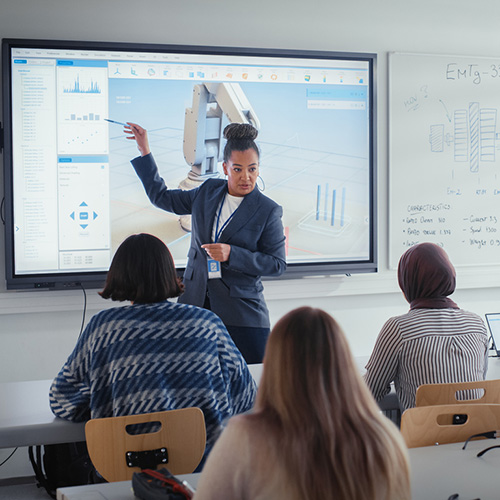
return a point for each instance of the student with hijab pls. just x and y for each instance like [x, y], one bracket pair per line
[436, 341]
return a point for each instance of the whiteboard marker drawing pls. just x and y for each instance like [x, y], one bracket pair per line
[474, 136]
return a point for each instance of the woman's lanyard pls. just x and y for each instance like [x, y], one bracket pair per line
[214, 267]
[217, 232]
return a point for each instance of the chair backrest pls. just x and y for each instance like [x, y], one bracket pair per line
[481, 392]
[112, 446]
[440, 424]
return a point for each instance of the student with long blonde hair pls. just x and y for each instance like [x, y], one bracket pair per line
[316, 433]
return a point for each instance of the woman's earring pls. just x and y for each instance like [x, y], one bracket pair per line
[263, 188]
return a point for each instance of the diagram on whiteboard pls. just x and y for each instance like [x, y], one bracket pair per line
[471, 134]
[444, 158]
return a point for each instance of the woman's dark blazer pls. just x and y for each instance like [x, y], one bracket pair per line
[255, 234]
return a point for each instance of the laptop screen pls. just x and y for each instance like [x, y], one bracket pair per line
[493, 322]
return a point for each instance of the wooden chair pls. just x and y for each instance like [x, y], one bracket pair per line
[120, 446]
[430, 425]
[481, 392]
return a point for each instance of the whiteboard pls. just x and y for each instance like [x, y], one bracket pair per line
[444, 156]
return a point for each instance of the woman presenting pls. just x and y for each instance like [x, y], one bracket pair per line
[237, 236]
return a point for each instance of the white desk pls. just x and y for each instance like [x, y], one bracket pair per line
[436, 473]
[111, 491]
[440, 471]
[26, 418]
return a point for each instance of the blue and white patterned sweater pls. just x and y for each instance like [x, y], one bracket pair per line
[153, 357]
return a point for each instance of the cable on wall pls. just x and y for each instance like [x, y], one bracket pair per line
[2, 211]
[84, 310]
[9, 457]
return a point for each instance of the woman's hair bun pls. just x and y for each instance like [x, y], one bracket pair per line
[238, 131]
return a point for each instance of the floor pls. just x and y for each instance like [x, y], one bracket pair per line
[25, 491]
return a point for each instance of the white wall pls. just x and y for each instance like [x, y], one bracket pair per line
[37, 330]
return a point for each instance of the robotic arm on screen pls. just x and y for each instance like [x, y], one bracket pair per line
[214, 106]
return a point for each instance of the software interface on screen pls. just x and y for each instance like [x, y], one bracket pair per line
[76, 196]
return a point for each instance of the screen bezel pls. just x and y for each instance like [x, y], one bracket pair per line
[96, 279]
[496, 345]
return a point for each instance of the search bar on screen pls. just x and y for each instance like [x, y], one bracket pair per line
[328, 104]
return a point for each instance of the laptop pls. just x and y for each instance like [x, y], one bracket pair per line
[493, 322]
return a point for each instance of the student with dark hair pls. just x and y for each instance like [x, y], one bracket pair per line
[153, 355]
[142, 272]
[316, 432]
[436, 341]
[236, 230]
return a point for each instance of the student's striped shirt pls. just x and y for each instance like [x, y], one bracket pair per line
[427, 346]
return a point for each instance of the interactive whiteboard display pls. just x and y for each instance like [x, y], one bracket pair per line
[73, 197]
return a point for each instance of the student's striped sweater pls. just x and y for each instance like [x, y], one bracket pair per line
[153, 357]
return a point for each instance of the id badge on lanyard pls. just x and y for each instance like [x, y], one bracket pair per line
[214, 270]
[214, 266]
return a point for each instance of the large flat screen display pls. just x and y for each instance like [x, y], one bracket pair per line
[71, 195]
